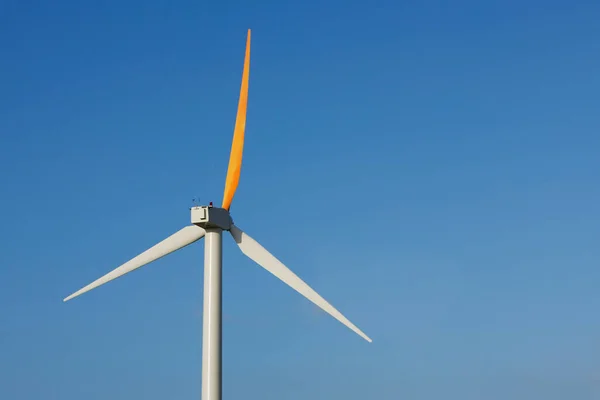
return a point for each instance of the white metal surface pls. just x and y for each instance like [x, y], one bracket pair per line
[262, 257]
[211, 326]
[211, 217]
[176, 241]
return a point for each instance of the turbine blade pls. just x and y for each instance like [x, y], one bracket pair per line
[176, 241]
[262, 257]
[237, 145]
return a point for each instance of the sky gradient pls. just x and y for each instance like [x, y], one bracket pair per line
[431, 168]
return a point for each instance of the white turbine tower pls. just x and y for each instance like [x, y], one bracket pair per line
[210, 222]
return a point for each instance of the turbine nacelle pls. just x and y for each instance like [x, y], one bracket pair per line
[209, 217]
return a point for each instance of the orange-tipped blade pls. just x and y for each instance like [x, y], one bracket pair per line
[237, 146]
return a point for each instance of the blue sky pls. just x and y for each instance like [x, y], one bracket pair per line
[431, 168]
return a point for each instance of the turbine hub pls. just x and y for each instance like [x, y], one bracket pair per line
[209, 217]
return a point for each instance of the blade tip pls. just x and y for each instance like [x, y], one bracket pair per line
[69, 297]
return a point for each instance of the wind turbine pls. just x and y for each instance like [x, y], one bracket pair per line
[210, 222]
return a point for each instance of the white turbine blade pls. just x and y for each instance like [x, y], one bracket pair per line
[176, 241]
[262, 257]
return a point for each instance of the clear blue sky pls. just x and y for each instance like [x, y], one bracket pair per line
[431, 168]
